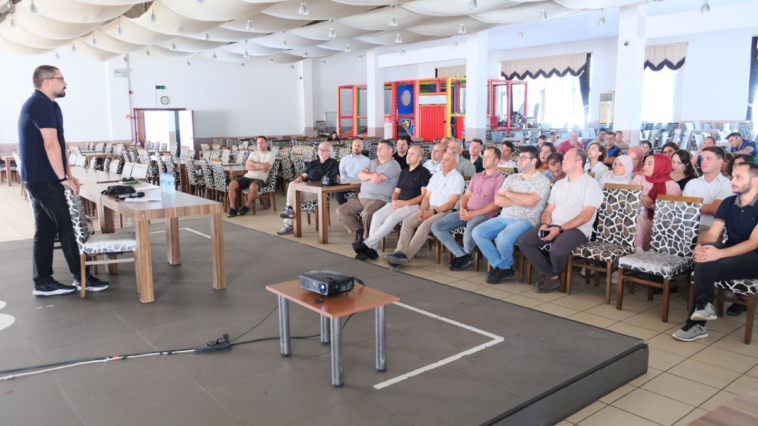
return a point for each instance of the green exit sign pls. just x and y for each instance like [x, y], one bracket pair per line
[160, 87]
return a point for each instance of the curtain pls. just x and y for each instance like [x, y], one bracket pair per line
[665, 55]
[549, 66]
[454, 71]
[753, 82]
[584, 87]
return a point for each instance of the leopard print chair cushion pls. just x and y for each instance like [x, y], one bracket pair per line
[660, 264]
[86, 239]
[743, 287]
[220, 179]
[270, 182]
[603, 252]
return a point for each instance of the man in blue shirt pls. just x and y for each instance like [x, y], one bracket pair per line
[737, 216]
[46, 176]
[350, 166]
[612, 150]
[740, 146]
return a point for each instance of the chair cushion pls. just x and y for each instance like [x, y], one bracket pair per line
[665, 265]
[309, 206]
[119, 242]
[744, 287]
[604, 252]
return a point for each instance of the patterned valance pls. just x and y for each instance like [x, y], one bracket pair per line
[454, 71]
[547, 66]
[665, 55]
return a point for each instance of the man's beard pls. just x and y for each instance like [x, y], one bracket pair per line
[742, 189]
[61, 94]
[357, 152]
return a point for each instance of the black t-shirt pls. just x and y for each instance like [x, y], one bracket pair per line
[411, 182]
[316, 169]
[38, 112]
[682, 183]
[401, 160]
[739, 221]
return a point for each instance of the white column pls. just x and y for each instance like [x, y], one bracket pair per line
[627, 105]
[477, 56]
[375, 89]
[307, 79]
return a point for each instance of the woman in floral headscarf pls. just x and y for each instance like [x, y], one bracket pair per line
[656, 180]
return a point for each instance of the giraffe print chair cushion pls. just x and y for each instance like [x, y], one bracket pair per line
[675, 229]
[742, 287]
[91, 243]
[270, 182]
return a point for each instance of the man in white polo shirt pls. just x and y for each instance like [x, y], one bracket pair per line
[712, 186]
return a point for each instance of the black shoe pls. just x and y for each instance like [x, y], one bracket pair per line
[672, 290]
[359, 241]
[244, 210]
[452, 261]
[736, 310]
[396, 260]
[53, 289]
[232, 213]
[369, 254]
[496, 275]
[462, 262]
[93, 283]
[360, 248]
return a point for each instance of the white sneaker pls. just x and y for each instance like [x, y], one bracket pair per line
[584, 272]
[615, 277]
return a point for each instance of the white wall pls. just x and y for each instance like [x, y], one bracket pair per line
[339, 70]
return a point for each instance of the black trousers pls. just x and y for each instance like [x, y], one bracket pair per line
[340, 197]
[563, 244]
[51, 219]
[728, 268]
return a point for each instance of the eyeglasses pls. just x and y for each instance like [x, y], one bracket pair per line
[56, 78]
[323, 150]
[524, 158]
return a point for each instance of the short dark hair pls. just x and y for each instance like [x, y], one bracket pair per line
[532, 151]
[647, 143]
[734, 134]
[581, 153]
[406, 138]
[477, 140]
[602, 129]
[509, 144]
[497, 152]
[711, 138]
[716, 150]
[555, 156]
[603, 150]
[552, 133]
[747, 157]
[386, 142]
[549, 145]
[619, 132]
[262, 137]
[752, 169]
[42, 73]
[673, 145]
[543, 137]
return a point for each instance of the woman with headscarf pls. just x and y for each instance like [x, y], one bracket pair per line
[620, 173]
[638, 158]
[656, 180]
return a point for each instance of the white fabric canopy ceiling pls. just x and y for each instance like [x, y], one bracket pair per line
[51, 28]
[455, 7]
[264, 24]
[293, 41]
[321, 31]
[524, 12]
[74, 11]
[112, 44]
[387, 38]
[216, 10]
[186, 44]
[252, 49]
[170, 22]
[317, 10]
[378, 20]
[448, 27]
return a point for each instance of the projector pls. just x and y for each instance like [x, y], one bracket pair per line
[326, 282]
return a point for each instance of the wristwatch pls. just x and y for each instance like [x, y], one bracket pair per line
[560, 229]
[434, 211]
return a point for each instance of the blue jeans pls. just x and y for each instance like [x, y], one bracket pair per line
[505, 231]
[442, 228]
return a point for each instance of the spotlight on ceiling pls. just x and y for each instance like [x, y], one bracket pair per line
[455, 42]
[72, 48]
[703, 9]
[398, 39]
[284, 40]
[520, 32]
[249, 26]
[173, 46]
[189, 64]
[242, 64]
[601, 21]
[206, 36]
[347, 48]
[303, 9]
[245, 55]
[271, 59]
[57, 56]
[93, 41]
[473, 5]
[402, 51]
[125, 58]
[323, 62]
[214, 57]
[393, 20]
[33, 9]
[332, 34]
[292, 67]
[199, 2]
[147, 52]
[12, 21]
[543, 15]
[305, 54]
[360, 56]
[462, 29]
[152, 19]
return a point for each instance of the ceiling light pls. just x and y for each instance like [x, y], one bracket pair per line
[292, 67]
[704, 9]
[271, 59]
[152, 19]
[147, 52]
[347, 48]
[119, 31]
[199, 2]
[242, 64]
[473, 5]
[462, 29]
[57, 56]
[303, 9]
[323, 62]
[402, 51]
[245, 55]
[249, 26]
[393, 20]
[601, 21]
[93, 42]
[173, 46]
[543, 15]
[398, 39]
[332, 34]
[125, 58]
[72, 48]
[520, 32]
[33, 10]
[284, 41]
[206, 36]
[214, 56]
[360, 56]
[455, 42]
[305, 54]
[12, 22]
[189, 64]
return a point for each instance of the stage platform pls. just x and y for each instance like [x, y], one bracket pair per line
[453, 357]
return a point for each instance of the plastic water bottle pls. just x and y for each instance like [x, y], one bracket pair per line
[171, 183]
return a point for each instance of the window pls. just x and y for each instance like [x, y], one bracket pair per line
[658, 91]
[559, 98]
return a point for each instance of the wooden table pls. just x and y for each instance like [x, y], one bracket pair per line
[332, 309]
[321, 193]
[8, 158]
[171, 207]
[742, 411]
[93, 177]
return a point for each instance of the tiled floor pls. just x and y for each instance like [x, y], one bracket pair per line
[684, 380]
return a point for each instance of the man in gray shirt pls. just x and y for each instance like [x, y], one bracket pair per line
[465, 167]
[378, 182]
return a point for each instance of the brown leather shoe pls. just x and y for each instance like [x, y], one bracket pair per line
[540, 281]
[549, 285]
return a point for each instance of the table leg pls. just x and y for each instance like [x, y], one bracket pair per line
[323, 230]
[107, 226]
[336, 352]
[284, 326]
[172, 241]
[145, 258]
[217, 247]
[325, 335]
[297, 223]
[381, 338]
[8, 171]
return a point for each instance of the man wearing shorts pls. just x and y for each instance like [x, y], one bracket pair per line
[258, 165]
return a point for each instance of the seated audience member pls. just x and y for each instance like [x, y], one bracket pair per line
[506, 152]
[740, 146]
[553, 138]
[433, 164]
[314, 171]
[620, 142]
[734, 260]
[442, 194]
[596, 156]
[637, 155]
[571, 142]
[334, 137]
[411, 186]
[647, 149]
[545, 151]
[682, 169]
[257, 165]
[708, 141]
[612, 151]
[566, 222]
[555, 165]
[350, 166]
[669, 149]
[475, 149]
[523, 197]
[601, 134]
[477, 205]
[712, 186]
[465, 167]
[403, 142]
[621, 173]
[742, 158]
[378, 182]
[655, 180]
[726, 168]
[540, 140]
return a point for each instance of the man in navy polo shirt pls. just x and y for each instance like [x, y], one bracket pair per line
[734, 260]
[740, 146]
[612, 151]
[45, 173]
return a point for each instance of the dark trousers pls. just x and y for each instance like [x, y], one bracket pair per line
[725, 269]
[51, 219]
[529, 244]
[340, 197]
